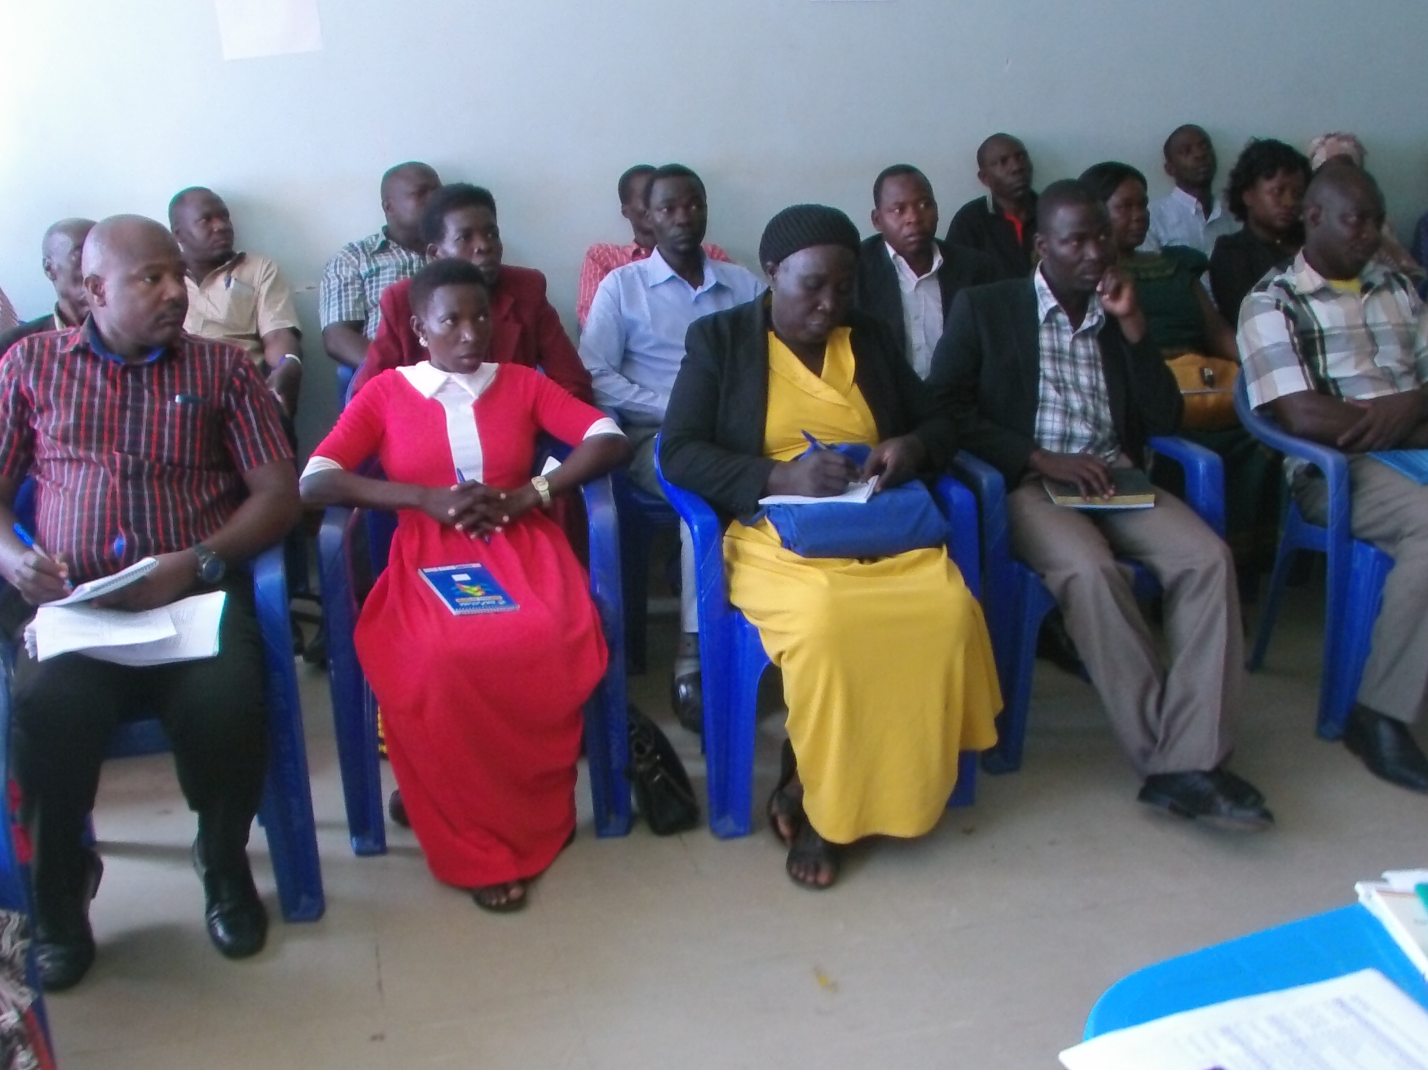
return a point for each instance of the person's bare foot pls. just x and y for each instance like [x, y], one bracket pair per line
[813, 862]
[501, 898]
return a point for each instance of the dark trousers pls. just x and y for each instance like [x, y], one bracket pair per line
[212, 709]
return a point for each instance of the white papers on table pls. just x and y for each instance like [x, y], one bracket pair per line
[856, 494]
[183, 631]
[1394, 901]
[109, 584]
[1361, 1021]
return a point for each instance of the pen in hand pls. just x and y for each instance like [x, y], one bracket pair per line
[30, 543]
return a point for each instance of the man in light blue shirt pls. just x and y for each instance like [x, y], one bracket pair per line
[633, 345]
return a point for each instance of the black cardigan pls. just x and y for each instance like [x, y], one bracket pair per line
[879, 294]
[977, 226]
[987, 369]
[713, 435]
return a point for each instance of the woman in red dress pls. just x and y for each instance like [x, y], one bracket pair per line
[483, 712]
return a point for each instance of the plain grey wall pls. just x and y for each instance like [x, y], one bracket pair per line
[110, 106]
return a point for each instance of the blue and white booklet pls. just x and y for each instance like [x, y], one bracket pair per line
[468, 589]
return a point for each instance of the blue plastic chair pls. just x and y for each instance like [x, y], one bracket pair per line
[1302, 952]
[1357, 571]
[354, 708]
[344, 383]
[732, 656]
[641, 515]
[286, 811]
[1017, 601]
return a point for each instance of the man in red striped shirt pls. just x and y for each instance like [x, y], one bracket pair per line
[142, 441]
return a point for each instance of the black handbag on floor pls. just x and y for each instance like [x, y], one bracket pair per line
[663, 793]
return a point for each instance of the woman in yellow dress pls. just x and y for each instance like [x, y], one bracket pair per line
[887, 668]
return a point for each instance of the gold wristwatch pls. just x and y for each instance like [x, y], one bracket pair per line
[542, 487]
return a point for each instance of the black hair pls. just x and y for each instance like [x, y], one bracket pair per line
[448, 199]
[1103, 179]
[982, 148]
[395, 172]
[1066, 192]
[1262, 158]
[895, 171]
[672, 170]
[439, 273]
[181, 196]
[628, 178]
[1165, 149]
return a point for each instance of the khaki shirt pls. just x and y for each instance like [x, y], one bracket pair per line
[240, 302]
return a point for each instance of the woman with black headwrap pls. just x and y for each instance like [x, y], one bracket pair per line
[887, 668]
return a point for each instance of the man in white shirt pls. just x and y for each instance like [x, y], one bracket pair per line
[1189, 215]
[633, 345]
[906, 276]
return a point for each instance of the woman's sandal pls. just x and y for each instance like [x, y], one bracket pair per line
[498, 898]
[785, 810]
[813, 852]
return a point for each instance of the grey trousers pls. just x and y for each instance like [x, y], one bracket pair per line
[1169, 718]
[1390, 511]
[642, 474]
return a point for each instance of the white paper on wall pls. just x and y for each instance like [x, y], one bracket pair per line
[252, 28]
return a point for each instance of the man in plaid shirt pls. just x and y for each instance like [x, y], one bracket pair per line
[1335, 349]
[142, 441]
[353, 281]
[1056, 377]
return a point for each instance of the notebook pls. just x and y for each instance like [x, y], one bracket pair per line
[468, 589]
[1133, 491]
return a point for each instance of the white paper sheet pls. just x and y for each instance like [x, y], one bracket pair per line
[195, 623]
[1361, 1021]
[64, 630]
[856, 494]
[109, 584]
[249, 29]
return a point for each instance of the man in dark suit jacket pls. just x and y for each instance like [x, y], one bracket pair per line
[1002, 223]
[905, 275]
[1056, 377]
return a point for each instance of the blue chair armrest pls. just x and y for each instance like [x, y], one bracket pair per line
[1333, 464]
[1204, 477]
[959, 506]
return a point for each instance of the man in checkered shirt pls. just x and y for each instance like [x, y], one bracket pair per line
[1056, 377]
[1334, 348]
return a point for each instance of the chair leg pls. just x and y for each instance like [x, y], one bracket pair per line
[1344, 672]
[635, 536]
[1282, 560]
[1031, 602]
[731, 758]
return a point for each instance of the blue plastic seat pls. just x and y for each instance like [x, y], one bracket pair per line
[641, 515]
[286, 810]
[344, 383]
[732, 656]
[1017, 601]
[354, 709]
[1356, 572]
[1299, 953]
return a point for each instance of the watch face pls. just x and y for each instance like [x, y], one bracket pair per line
[210, 566]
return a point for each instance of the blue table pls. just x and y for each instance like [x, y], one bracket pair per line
[1299, 953]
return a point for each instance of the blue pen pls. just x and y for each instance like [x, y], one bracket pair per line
[29, 541]
[814, 442]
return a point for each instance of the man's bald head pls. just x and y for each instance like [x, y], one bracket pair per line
[1004, 167]
[183, 197]
[60, 252]
[1343, 220]
[134, 278]
[405, 189]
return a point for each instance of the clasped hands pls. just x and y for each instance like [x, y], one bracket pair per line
[827, 473]
[1386, 422]
[478, 509]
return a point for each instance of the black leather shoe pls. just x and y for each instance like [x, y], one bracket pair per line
[237, 922]
[397, 810]
[1387, 748]
[64, 942]
[686, 695]
[1215, 798]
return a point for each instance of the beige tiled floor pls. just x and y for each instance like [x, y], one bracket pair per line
[982, 946]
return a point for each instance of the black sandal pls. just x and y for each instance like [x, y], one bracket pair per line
[485, 897]
[782, 806]
[811, 849]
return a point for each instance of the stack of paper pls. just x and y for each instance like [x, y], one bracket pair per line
[183, 631]
[1396, 902]
[1357, 1022]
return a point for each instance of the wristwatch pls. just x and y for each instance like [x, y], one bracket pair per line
[211, 568]
[542, 487]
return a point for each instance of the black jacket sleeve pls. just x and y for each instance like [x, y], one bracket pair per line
[690, 456]
[956, 379]
[1155, 397]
